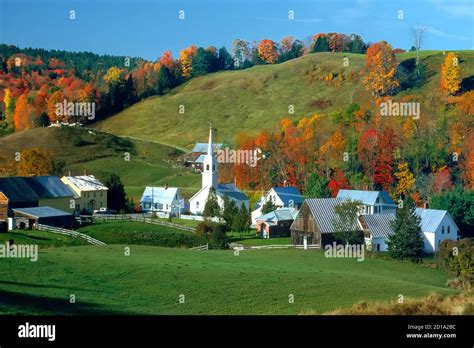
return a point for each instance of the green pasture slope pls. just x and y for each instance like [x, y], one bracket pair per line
[151, 279]
[257, 98]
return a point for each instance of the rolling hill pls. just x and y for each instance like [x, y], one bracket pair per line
[257, 98]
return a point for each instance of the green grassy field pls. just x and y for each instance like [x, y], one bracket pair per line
[257, 98]
[151, 279]
[42, 239]
[137, 233]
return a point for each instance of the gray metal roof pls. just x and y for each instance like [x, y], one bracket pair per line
[281, 214]
[231, 191]
[323, 211]
[42, 212]
[33, 188]
[202, 147]
[366, 197]
[379, 225]
[431, 218]
[17, 190]
[54, 187]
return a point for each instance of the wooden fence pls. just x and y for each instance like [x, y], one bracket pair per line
[201, 247]
[118, 217]
[70, 233]
[288, 246]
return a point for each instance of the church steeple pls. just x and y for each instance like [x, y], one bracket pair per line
[209, 171]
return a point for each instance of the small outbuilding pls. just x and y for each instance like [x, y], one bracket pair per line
[31, 217]
[276, 223]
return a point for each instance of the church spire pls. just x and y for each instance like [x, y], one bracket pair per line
[210, 149]
[209, 172]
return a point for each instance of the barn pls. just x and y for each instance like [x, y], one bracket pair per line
[31, 217]
[315, 221]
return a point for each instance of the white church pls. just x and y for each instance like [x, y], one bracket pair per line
[209, 179]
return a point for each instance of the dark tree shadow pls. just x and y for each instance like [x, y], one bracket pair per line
[42, 305]
[467, 84]
[31, 285]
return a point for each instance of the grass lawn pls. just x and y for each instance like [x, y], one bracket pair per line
[138, 233]
[250, 238]
[151, 279]
[41, 238]
[184, 222]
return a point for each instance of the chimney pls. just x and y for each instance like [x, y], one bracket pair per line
[235, 181]
[166, 186]
[70, 173]
[425, 205]
[85, 172]
[284, 183]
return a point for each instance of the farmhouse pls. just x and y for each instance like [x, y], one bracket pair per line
[162, 199]
[436, 226]
[276, 223]
[89, 193]
[209, 179]
[373, 202]
[283, 197]
[315, 221]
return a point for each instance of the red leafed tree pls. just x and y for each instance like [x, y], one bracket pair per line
[338, 182]
[167, 59]
[384, 160]
[443, 180]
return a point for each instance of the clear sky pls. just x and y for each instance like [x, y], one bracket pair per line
[146, 28]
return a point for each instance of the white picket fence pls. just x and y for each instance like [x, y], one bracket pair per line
[201, 247]
[118, 217]
[70, 233]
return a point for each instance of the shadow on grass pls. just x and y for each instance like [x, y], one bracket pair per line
[32, 285]
[18, 303]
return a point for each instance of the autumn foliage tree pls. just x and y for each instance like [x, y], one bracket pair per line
[268, 51]
[25, 116]
[450, 74]
[186, 60]
[380, 67]
[34, 162]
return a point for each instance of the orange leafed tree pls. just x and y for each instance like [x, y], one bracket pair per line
[450, 74]
[25, 115]
[380, 68]
[267, 50]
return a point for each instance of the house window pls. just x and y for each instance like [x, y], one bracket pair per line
[214, 167]
[197, 204]
[449, 229]
[207, 167]
[378, 246]
[442, 230]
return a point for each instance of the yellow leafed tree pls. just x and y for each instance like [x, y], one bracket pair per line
[450, 74]
[186, 59]
[406, 179]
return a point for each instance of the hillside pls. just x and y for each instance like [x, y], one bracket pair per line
[102, 154]
[256, 98]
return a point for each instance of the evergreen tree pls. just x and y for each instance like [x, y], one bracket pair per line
[406, 242]
[316, 187]
[321, 45]
[225, 61]
[357, 45]
[268, 207]
[164, 82]
[116, 197]
[211, 209]
[230, 212]
[241, 222]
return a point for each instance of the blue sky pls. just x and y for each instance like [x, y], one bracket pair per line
[146, 28]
